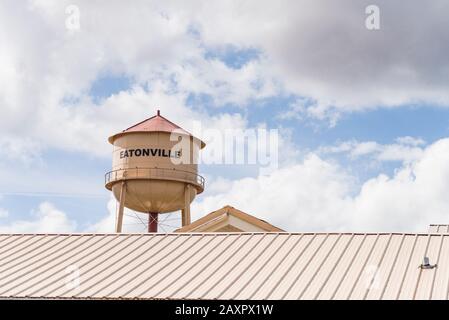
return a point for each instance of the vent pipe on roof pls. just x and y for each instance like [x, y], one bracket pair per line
[426, 264]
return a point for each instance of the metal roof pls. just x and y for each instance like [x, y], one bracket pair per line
[225, 266]
[156, 123]
[439, 228]
[213, 222]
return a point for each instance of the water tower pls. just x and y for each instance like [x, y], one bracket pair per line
[154, 170]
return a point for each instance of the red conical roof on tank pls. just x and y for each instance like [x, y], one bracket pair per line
[156, 123]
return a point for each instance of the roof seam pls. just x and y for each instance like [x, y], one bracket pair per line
[378, 267]
[407, 267]
[28, 266]
[160, 268]
[180, 264]
[363, 266]
[19, 276]
[349, 267]
[304, 267]
[108, 284]
[34, 251]
[420, 269]
[319, 267]
[291, 266]
[44, 264]
[219, 267]
[205, 267]
[6, 238]
[333, 268]
[110, 265]
[277, 266]
[392, 267]
[233, 267]
[251, 263]
[436, 270]
[18, 244]
[84, 264]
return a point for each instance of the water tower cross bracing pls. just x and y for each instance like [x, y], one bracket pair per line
[154, 170]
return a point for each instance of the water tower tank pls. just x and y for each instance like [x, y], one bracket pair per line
[154, 169]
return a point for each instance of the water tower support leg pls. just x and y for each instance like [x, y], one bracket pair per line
[119, 220]
[183, 222]
[152, 222]
[186, 210]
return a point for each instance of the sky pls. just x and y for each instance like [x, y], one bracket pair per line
[359, 98]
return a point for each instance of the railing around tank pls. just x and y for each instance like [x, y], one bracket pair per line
[154, 173]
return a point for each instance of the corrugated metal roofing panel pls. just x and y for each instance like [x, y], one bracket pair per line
[230, 272]
[172, 285]
[310, 268]
[368, 279]
[426, 278]
[439, 228]
[356, 268]
[189, 285]
[394, 279]
[297, 266]
[225, 266]
[381, 272]
[152, 263]
[346, 259]
[412, 274]
[441, 281]
[268, 269]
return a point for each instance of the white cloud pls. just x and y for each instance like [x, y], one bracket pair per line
[313, 195]
[318, 195]
[226, 85]
[323, 50]
[16, 149]
[46, 219]
[337, 64]
[320, 51]
[107, 223]
[298, 197]
[49, 71]
[415, 197]
[410, 141]
[405, 149]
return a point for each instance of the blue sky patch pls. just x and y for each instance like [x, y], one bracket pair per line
[105, 86]
[233, 57]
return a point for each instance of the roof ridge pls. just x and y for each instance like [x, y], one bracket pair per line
[228, 233]
[155, 124]
[135, 125]
[158, 115]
